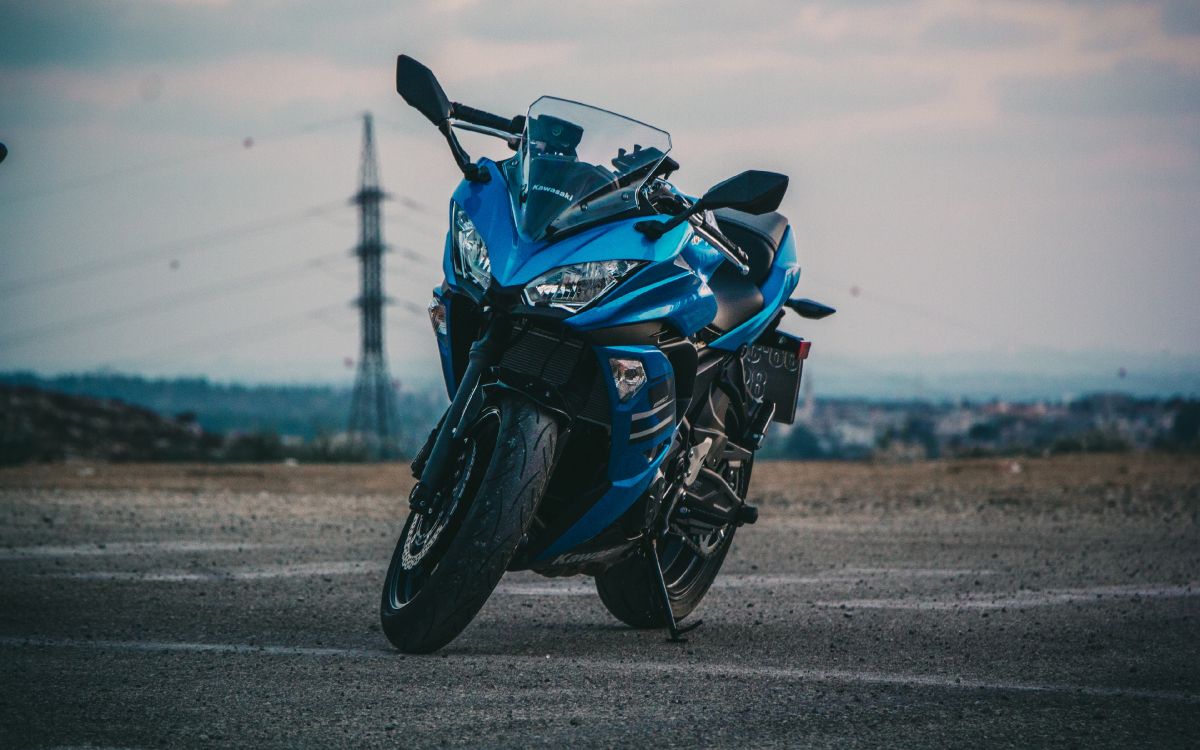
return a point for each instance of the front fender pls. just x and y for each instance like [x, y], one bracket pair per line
[543, 395]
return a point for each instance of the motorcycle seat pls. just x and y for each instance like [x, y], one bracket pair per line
[757, 235]
[738, 298]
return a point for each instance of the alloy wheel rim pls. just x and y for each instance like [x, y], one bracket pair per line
[426, 537]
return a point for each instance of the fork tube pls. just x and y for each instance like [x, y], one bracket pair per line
[484, 353]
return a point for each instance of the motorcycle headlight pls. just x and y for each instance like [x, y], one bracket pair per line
[472, 252]
[572, 287]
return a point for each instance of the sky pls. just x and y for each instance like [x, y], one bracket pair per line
[979, 187]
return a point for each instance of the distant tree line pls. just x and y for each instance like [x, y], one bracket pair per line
[308, 422]
[260, 422]
[857, 429]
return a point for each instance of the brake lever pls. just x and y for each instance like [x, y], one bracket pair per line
[726, 246]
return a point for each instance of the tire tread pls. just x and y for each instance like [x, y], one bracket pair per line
[477, 557]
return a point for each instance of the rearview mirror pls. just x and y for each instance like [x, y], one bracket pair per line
[752, 191]
[420, 88]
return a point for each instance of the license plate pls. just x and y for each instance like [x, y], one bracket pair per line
[773, 366]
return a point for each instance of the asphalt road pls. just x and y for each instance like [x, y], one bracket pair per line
[984, 604]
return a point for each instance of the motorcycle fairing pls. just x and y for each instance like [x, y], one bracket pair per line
[641, 432]
[662, 291]
[780, 283]
[516, 261]
[578, 164]
[672, 287]
[675, 293]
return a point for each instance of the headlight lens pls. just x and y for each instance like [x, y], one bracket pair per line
[472, 252]
[572, 287]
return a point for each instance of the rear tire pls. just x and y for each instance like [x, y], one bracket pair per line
[430, 596]
[630, 592]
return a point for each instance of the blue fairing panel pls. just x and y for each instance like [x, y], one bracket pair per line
[516, 261]
[635, 454]
[659, 292]
[671, 287]
[780, 283]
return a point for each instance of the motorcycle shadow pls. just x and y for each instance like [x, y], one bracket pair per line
[606, 640]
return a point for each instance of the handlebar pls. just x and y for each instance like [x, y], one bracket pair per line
[515, 125]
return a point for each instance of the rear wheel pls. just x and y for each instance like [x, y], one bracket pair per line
[448, 561]
[690, 561]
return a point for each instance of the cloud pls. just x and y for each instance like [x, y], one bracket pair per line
[1181, 17]
[906, 125]
[1129, 88]
[618, 22]
[983, 32]
[36, 33]
[104, 33]
[239, 92]
[473, 59]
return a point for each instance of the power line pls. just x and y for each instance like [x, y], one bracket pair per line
[409, 253]
[422, 220]
[401, 273]
[168, 249]
[412, 204]
[229, 339]
[412, 308]
[92, 179]
[148, 166]
[952, 321]
[342, 327]
[204, 293]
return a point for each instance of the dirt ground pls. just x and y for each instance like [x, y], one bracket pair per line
[1044, 602]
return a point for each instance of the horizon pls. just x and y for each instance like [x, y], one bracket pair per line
[888, 380]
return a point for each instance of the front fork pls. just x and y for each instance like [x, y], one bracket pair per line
[484, 353]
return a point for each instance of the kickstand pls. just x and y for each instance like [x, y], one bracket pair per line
[651, 550]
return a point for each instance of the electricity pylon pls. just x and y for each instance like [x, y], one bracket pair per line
[373, 409]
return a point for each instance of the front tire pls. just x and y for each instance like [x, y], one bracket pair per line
[447, 562]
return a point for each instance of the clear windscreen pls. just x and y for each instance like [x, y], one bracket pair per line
[579, 164]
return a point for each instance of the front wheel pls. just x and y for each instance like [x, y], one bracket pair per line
[448, 560]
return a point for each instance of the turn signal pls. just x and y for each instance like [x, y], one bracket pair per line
[628, 375]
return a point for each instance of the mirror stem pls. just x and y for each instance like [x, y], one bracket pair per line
[471, 171]
[655, 229]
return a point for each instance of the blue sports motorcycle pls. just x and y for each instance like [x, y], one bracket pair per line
[611, 349]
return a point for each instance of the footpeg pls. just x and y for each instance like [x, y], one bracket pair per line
[696, 457]
[747, 514]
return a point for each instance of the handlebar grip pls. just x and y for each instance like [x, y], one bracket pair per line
[487, 119]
